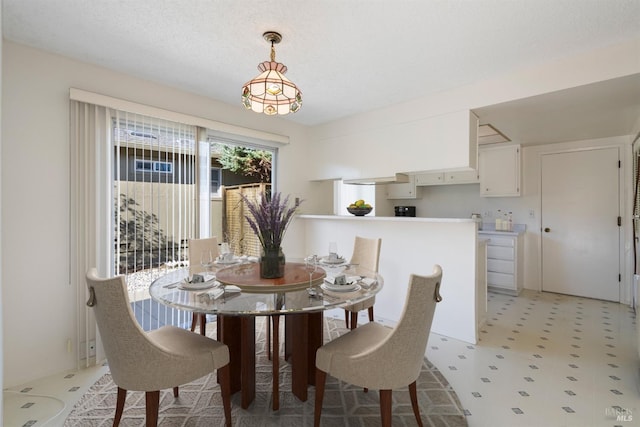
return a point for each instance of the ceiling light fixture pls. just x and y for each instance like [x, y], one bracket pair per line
[271, 92]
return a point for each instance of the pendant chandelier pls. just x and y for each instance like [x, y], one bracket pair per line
[271, 92]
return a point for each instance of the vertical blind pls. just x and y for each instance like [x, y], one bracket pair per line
[133, 208]
[134, 198]
[155, 206]
[154, 184]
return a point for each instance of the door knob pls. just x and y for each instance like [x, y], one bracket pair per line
[547, 229]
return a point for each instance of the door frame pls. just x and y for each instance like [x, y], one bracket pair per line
[625, 198]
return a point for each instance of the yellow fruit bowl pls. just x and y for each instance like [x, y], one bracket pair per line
[359, 211]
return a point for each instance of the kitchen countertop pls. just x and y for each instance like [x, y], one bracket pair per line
[490, 228]
[383, 218]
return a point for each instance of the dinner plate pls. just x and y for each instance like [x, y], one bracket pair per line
[333, 261]
[197, 286]
[354, 287]
[225, 262]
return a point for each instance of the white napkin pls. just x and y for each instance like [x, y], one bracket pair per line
[330, 279]
[367, 282]
[219, 291]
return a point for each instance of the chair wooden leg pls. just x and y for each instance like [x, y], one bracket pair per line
[176, 392]
[354, 320]
[203, 323]
[268, 339]
[153, 403]
[194, 321]
[385, 407]
[275, 368]
[122, 396]
[371, 314]
[224, 375]
[346, 319]
[414, 402]
[321, 378]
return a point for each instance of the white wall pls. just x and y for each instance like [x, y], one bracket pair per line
[395, 136]
[39, 306]
[459, 201]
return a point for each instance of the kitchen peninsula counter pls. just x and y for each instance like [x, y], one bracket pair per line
[385, 218]
[410, 245]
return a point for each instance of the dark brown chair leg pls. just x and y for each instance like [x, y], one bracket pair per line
[371, 314]
[122, 396]
[275, 368]
[176, 393]
[346, 319]
[153, 403]
[224, 374]
[203, 323]
[414, 402]
[268, 339]
[385, 407]
[354, 320]
[194, 321]
[321, 378]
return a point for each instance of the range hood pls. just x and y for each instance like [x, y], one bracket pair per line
[399, 178]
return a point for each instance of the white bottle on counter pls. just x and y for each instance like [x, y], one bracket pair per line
[499, 221]
[510, 222]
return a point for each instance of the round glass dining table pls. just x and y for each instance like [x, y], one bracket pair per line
[236, 294]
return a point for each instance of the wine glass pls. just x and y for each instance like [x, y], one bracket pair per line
[206, 260]
[225, 251]
[311, 265]
[333, 251]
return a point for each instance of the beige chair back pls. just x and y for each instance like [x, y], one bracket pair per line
[396, 359]
[408, 343]
[196, 247]
[366, 253]
[126, 345]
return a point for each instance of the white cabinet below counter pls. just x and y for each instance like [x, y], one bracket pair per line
[504, 261]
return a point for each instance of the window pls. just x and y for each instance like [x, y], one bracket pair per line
[216, 177]
[153, 166]
[345, 194]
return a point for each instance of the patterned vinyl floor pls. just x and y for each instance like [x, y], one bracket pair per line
[544, 360]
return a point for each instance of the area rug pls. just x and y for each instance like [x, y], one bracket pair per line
[199, 403]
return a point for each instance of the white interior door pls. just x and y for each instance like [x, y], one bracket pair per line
[580, 232]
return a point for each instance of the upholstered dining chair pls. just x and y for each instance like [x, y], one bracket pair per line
[366, 253]
[377, 357]
[151, 361]
[196, 248]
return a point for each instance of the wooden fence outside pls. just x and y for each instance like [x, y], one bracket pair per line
[237, 231]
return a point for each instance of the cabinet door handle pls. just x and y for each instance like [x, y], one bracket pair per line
[547, 229]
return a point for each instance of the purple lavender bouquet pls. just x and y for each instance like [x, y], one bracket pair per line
[270, 217]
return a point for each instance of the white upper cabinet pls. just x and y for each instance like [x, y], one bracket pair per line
[405, 190]
[430, 178]
[499, 169]
[443, 178]
[464, 177]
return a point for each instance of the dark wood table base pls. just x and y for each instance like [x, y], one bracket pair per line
[238, 333]
[303, 337]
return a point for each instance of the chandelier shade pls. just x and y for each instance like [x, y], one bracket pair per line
[271, 92]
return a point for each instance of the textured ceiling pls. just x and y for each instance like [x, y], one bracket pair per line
[346, 56]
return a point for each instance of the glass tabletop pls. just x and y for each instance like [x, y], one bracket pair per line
[214, 297]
